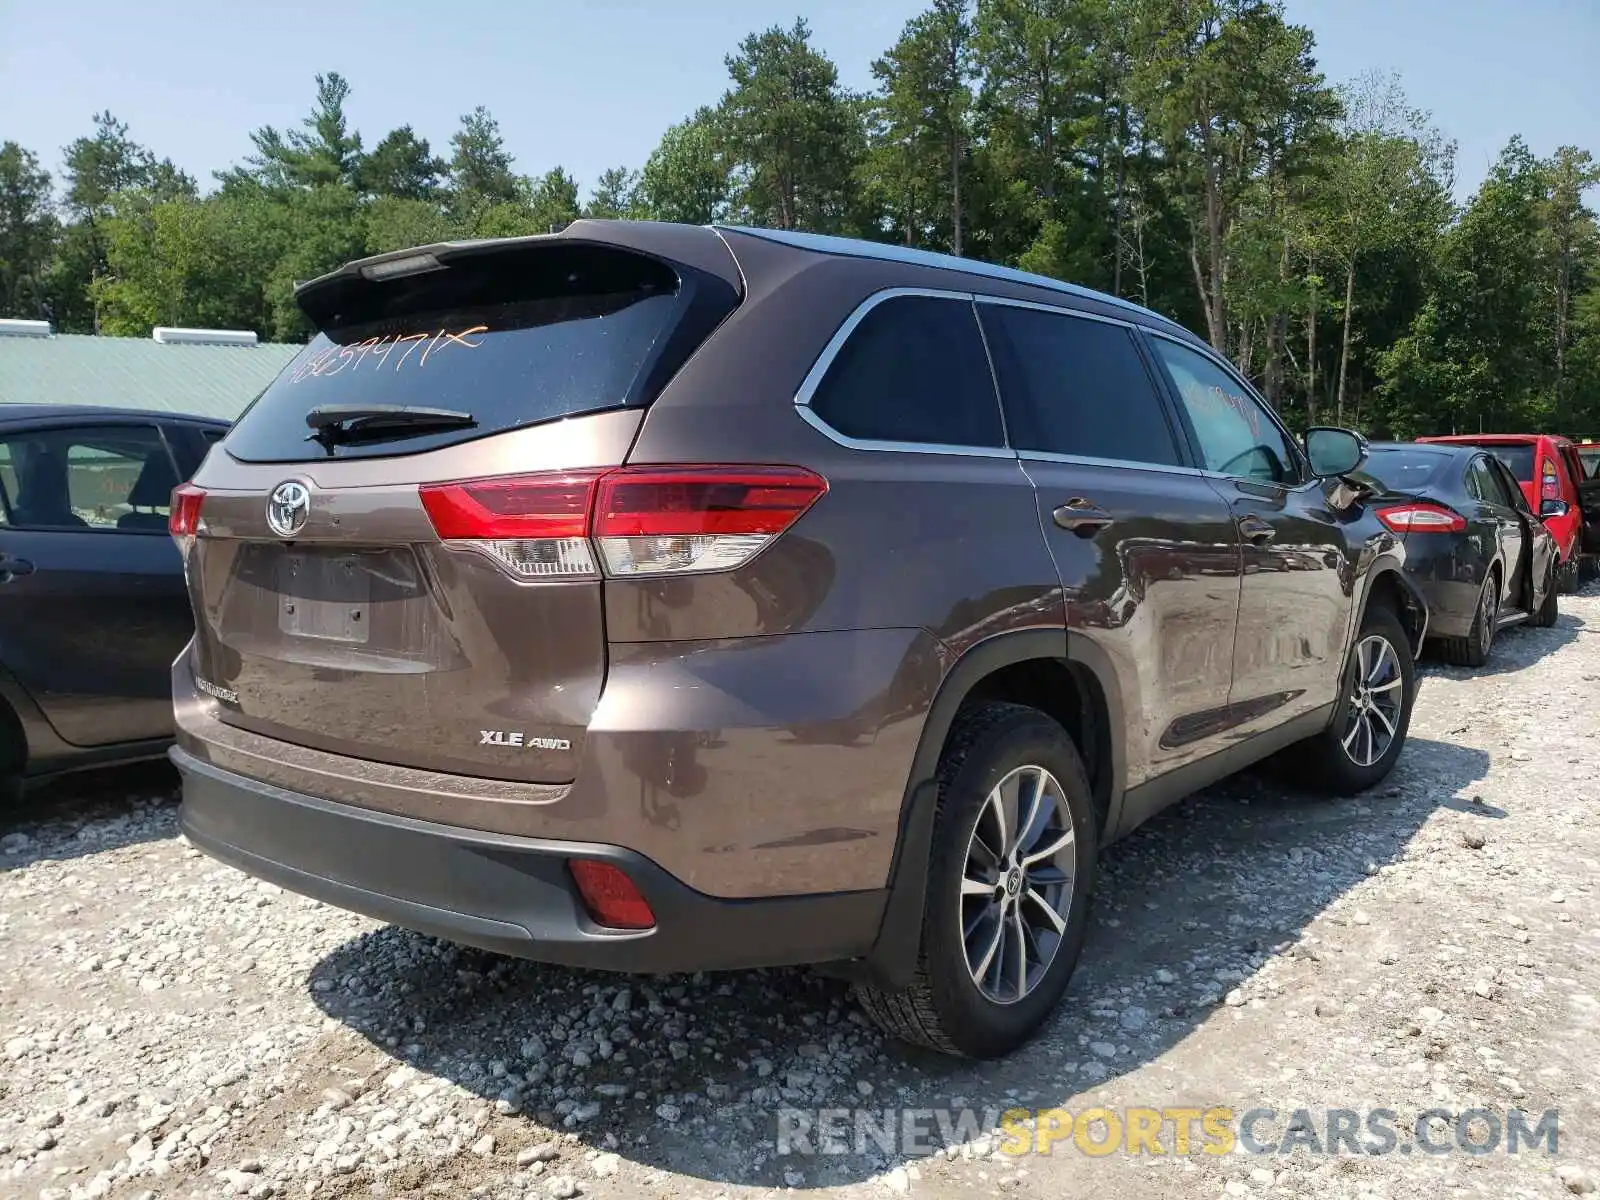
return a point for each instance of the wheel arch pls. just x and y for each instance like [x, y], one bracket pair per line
[1068, 678]
[1389, 585]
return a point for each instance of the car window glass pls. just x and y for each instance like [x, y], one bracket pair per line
[1236, 435]
[1076, 386]
[117, 478]
[8, 483]
[913, 370]
[1517, 458]
[1485, 484]
[1509, 487]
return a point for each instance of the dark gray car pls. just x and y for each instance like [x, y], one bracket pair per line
[1477, 552]
[92, 604]
[666, 598]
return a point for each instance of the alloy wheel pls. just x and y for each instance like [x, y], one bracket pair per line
[1017, 884]
[1376, 698]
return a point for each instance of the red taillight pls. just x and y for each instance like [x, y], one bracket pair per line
[183, 519]
[1551, 489]
[643, 520]
[1422, 518]
[664, 520]
[610, 896]
[528, 506]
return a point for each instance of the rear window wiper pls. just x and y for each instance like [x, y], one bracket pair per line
[336, 424]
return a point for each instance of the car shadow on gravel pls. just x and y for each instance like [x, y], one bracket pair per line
[1516, 649]
[89, 812]
[692, 1074]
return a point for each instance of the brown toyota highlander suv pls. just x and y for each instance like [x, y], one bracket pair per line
[666, 598]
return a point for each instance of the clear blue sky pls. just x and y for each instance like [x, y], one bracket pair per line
[592, 85]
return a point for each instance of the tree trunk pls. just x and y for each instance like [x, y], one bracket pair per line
[1344, 348]
[1311, 358]
[1117, 209]
[955, 190]
[1216, 308]
[1563, 299]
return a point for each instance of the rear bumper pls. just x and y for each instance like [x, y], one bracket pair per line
[511, 895]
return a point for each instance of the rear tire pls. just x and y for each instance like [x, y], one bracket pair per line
[963, 1001]
[1547, 613]
[1377, 693]
[1568, 576]
[1473, 650]
[13, 756]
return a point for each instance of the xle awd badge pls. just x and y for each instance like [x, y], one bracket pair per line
[288, 507]
[503, 737]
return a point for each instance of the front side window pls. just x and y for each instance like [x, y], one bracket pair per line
[913, 370]
[1237, 436]
[1076, 386]
[116, 478]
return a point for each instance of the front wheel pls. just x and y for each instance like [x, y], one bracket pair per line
[1015, 843]
[1358, 750]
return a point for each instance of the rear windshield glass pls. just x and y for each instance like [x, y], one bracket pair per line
[1402, 469]
[1591, 463]
[1518, 460]
[512, 338]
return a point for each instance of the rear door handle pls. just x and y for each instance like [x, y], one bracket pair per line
[1082, 517]
[10, 568]
[1253, 529]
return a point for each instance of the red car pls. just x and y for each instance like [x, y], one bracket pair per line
[1557, 483]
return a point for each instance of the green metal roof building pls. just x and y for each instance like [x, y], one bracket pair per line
[206, 372]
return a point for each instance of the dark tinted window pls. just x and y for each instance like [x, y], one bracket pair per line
[1486, 484]
[1402, 469]
[513, 338]
[913, 370]
[1518, 460]
[1506, 487]
[1591, 463]
[1237, 437]
[1076, 386]
[93, 478]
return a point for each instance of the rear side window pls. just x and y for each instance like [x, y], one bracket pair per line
[117, 478]
[913, 370]
[1076, 386]
[511, 337]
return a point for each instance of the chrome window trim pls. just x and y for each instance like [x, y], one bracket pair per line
[813, 380]
[1058, 309]
[1122, 464]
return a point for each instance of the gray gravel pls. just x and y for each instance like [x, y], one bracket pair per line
[169, 1027]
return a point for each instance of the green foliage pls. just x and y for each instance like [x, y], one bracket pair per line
[401, 167]
[615, 195]
[794, 133]
[27, 232]
[1186, 154]
[480, 168]
[687, 177]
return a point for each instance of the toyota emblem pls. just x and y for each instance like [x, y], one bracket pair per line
[288, 507]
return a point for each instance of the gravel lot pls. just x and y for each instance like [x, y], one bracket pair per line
[172, 1028]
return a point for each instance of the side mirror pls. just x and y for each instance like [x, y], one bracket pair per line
[1333, 451]
[1553, 508]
